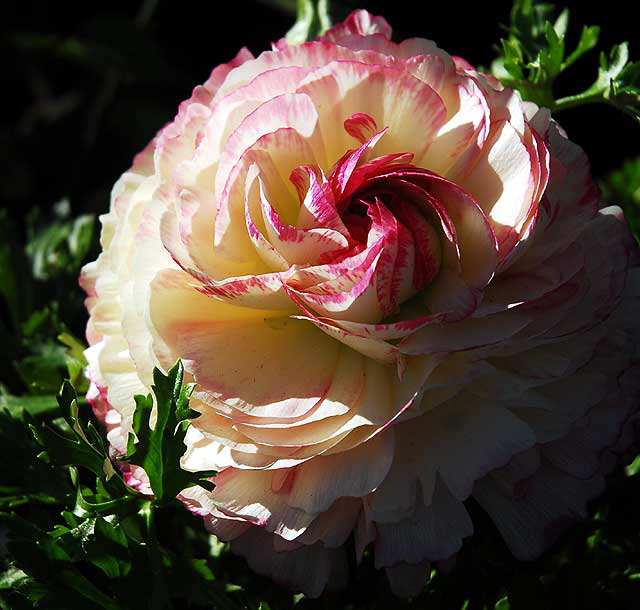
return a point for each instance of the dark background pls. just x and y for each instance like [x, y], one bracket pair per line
[86, 85]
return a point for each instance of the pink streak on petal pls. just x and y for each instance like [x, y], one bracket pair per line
[380, 351]
[318, 205]
[393, 260]
[426, 243]
[342, 171]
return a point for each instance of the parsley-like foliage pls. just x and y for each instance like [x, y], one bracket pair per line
[534, 54]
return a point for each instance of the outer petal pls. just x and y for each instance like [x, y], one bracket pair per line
[358, 23]
[309, 569]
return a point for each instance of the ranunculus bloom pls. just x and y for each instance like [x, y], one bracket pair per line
[395, 286]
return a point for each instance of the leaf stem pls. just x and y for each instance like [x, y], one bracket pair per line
[580, 99]
[146, 510]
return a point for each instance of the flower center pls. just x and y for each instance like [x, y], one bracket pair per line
[386, 208]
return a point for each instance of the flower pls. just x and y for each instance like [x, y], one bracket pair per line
[395, 287]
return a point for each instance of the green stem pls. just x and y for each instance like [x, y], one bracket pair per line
[109, 505]
[146, 510]
[581, 99]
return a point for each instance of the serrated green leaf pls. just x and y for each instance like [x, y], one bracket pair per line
[588, 40]
[630, 75]
[86, 449]
[84, 507]
[625, 90]
[112, 532]
[612, 66]
[158, 449]
[67, 452]
[534, 51]
[34, 551]
[52, 557]
[183, 411]
[108, 549]
[25, 478]
[534, 56]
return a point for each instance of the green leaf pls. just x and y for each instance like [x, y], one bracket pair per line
[533, 57]
[101, 504]
[612, 66]
[36, 406]
[562, 23]
[80, 584]
[624, 83]
[533, 54]
[555, 52]
[76, 348]
[108, 548]
[12, 578]
[86, 448]
[513, 58]
[80, 236]
[58, 246]
[312, 21]
[528, 24]
[65, 451]
[75, 359]
[622, 187]
[159, 449]
[25, 478]
[45, 558]
[43, 368]
[588, 40]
